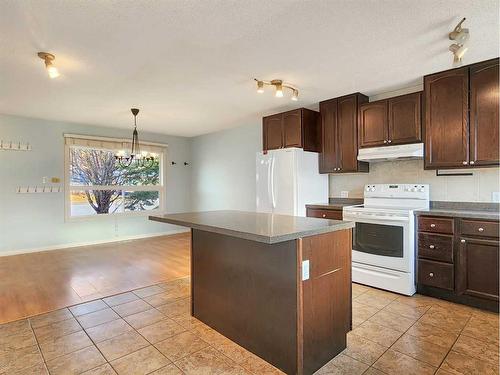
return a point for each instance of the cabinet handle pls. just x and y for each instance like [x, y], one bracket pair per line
[433, 225]
[431, 274]
[431, 246]
[389, 141]
[385, 141]
[462, 241]
[472, 162]
[340, 169]
[324, 215]
[464, 163]
[481, 229]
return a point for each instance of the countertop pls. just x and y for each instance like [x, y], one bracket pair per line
[336, 203]
[455, 212]
[260, 227]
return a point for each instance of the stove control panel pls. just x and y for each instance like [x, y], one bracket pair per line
[414, 191]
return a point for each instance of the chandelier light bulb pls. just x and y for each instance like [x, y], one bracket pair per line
[49, 58]
[279, 90]
[295, 95]
[260, 87]
[279, 87]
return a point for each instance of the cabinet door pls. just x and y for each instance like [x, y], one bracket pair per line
[373, 129]
[477, 268]
[446, 118]
[292, 128]
[347, 113]
[329, 154]
[273, 132]
[405, 124]
[484, 97]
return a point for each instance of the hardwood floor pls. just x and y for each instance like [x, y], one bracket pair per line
[34, 283]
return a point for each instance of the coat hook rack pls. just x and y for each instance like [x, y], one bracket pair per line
[14, 146]
[186, 163]
[174, 163]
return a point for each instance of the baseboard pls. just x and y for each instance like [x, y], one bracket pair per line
[90, 243]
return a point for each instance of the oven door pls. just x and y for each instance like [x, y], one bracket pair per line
[382, 241]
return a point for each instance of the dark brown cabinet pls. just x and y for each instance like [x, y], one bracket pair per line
[459, 133]
[391, 121]
[323, 213]
[297, 128]
[339, 135]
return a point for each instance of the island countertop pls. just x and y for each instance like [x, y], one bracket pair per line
[261, 227]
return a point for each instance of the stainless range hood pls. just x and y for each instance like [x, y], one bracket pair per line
[400, 152]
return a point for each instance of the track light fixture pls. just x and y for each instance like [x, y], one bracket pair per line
[278, 85]
[49, 64]
[460, 36]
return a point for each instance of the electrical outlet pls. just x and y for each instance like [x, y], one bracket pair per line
[344, 194]
[495, 196]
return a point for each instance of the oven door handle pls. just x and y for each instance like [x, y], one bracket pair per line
[356, 217]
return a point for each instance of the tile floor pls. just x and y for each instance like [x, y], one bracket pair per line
[150, 331]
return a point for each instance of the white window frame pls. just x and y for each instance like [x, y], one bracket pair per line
[68, 188]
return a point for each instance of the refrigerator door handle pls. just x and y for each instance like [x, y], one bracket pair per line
[273, 200]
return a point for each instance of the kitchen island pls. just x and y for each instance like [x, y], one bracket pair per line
[278, 285]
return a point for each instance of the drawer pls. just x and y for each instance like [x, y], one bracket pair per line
[436, 274]
[435, 224]
[325, 214]
[478, 228]
[435, 246]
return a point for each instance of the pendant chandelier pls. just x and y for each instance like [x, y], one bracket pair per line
[140, 159]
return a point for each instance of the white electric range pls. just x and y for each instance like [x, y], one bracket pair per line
[383, 241]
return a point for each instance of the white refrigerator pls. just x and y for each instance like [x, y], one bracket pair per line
[287, 180]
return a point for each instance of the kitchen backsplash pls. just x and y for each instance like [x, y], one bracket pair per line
[476, 188]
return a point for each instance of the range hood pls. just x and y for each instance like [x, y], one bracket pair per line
[400, 152]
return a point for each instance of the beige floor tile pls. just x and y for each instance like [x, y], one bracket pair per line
[457, 363]
[17, 360]
[417, 300]
[132, 307]
[16, 341]
[455, 307]
[164, 297]
[422, 350]
[362, 349]
[343, 364]
[15, 328]
[148, 291]
[256, 365]
[373, 300]
[108, 330]
[120, 299]
[39, 369]
[49, 318]
[377, 333]
[482, 329]
[361, 313]
[395, 363]
[59, 346]
[141, 362]
[168, 370]
[206, 361]
[408, 311]
[122, 345]
[440, 371]
[176, 308]
[393, 321]
[483, 350]
[188, 322]
[105, 369]
[181, 345]
[233, 351]
[98, 317]
[373, 371]
[358, 289]
[433, 334]
[382, 293]
[144, 318]
[56, 330]
[210, 335]
[76, 362]
[160, 331]
[87, 307]
[445, 319]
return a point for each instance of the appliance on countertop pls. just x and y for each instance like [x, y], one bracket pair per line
[287, 179]
[383, 241]
[399, 152]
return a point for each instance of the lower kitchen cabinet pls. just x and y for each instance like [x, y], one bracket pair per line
[323, 213]
[458, 260]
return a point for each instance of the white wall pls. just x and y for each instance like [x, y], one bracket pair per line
[36, 221]
[223, 169]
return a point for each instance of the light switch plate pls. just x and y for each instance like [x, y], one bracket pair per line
[495, 196]
[344, 194]
[305, 270]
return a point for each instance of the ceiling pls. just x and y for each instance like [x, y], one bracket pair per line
[189, 65]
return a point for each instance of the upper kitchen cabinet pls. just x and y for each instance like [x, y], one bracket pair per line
[296, 128]
[459, 133]
[391, 121]
[339, 135]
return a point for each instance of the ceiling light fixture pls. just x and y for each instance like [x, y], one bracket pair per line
[49, 64]
[142, 159]
[278, 85]
[460, 36]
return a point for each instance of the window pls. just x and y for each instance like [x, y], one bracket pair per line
[97, 185]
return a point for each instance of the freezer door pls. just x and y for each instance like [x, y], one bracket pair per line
[263, 181]
[284, 182]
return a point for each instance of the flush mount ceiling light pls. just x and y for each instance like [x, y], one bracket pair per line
[278, 85]
[49, 64]
[141, 159]
[460, 36]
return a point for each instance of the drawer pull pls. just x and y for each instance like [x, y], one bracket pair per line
[462, 241]
[433, 225]
[431, 246]
[431, 274]
[481, 229]
[324, 215]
